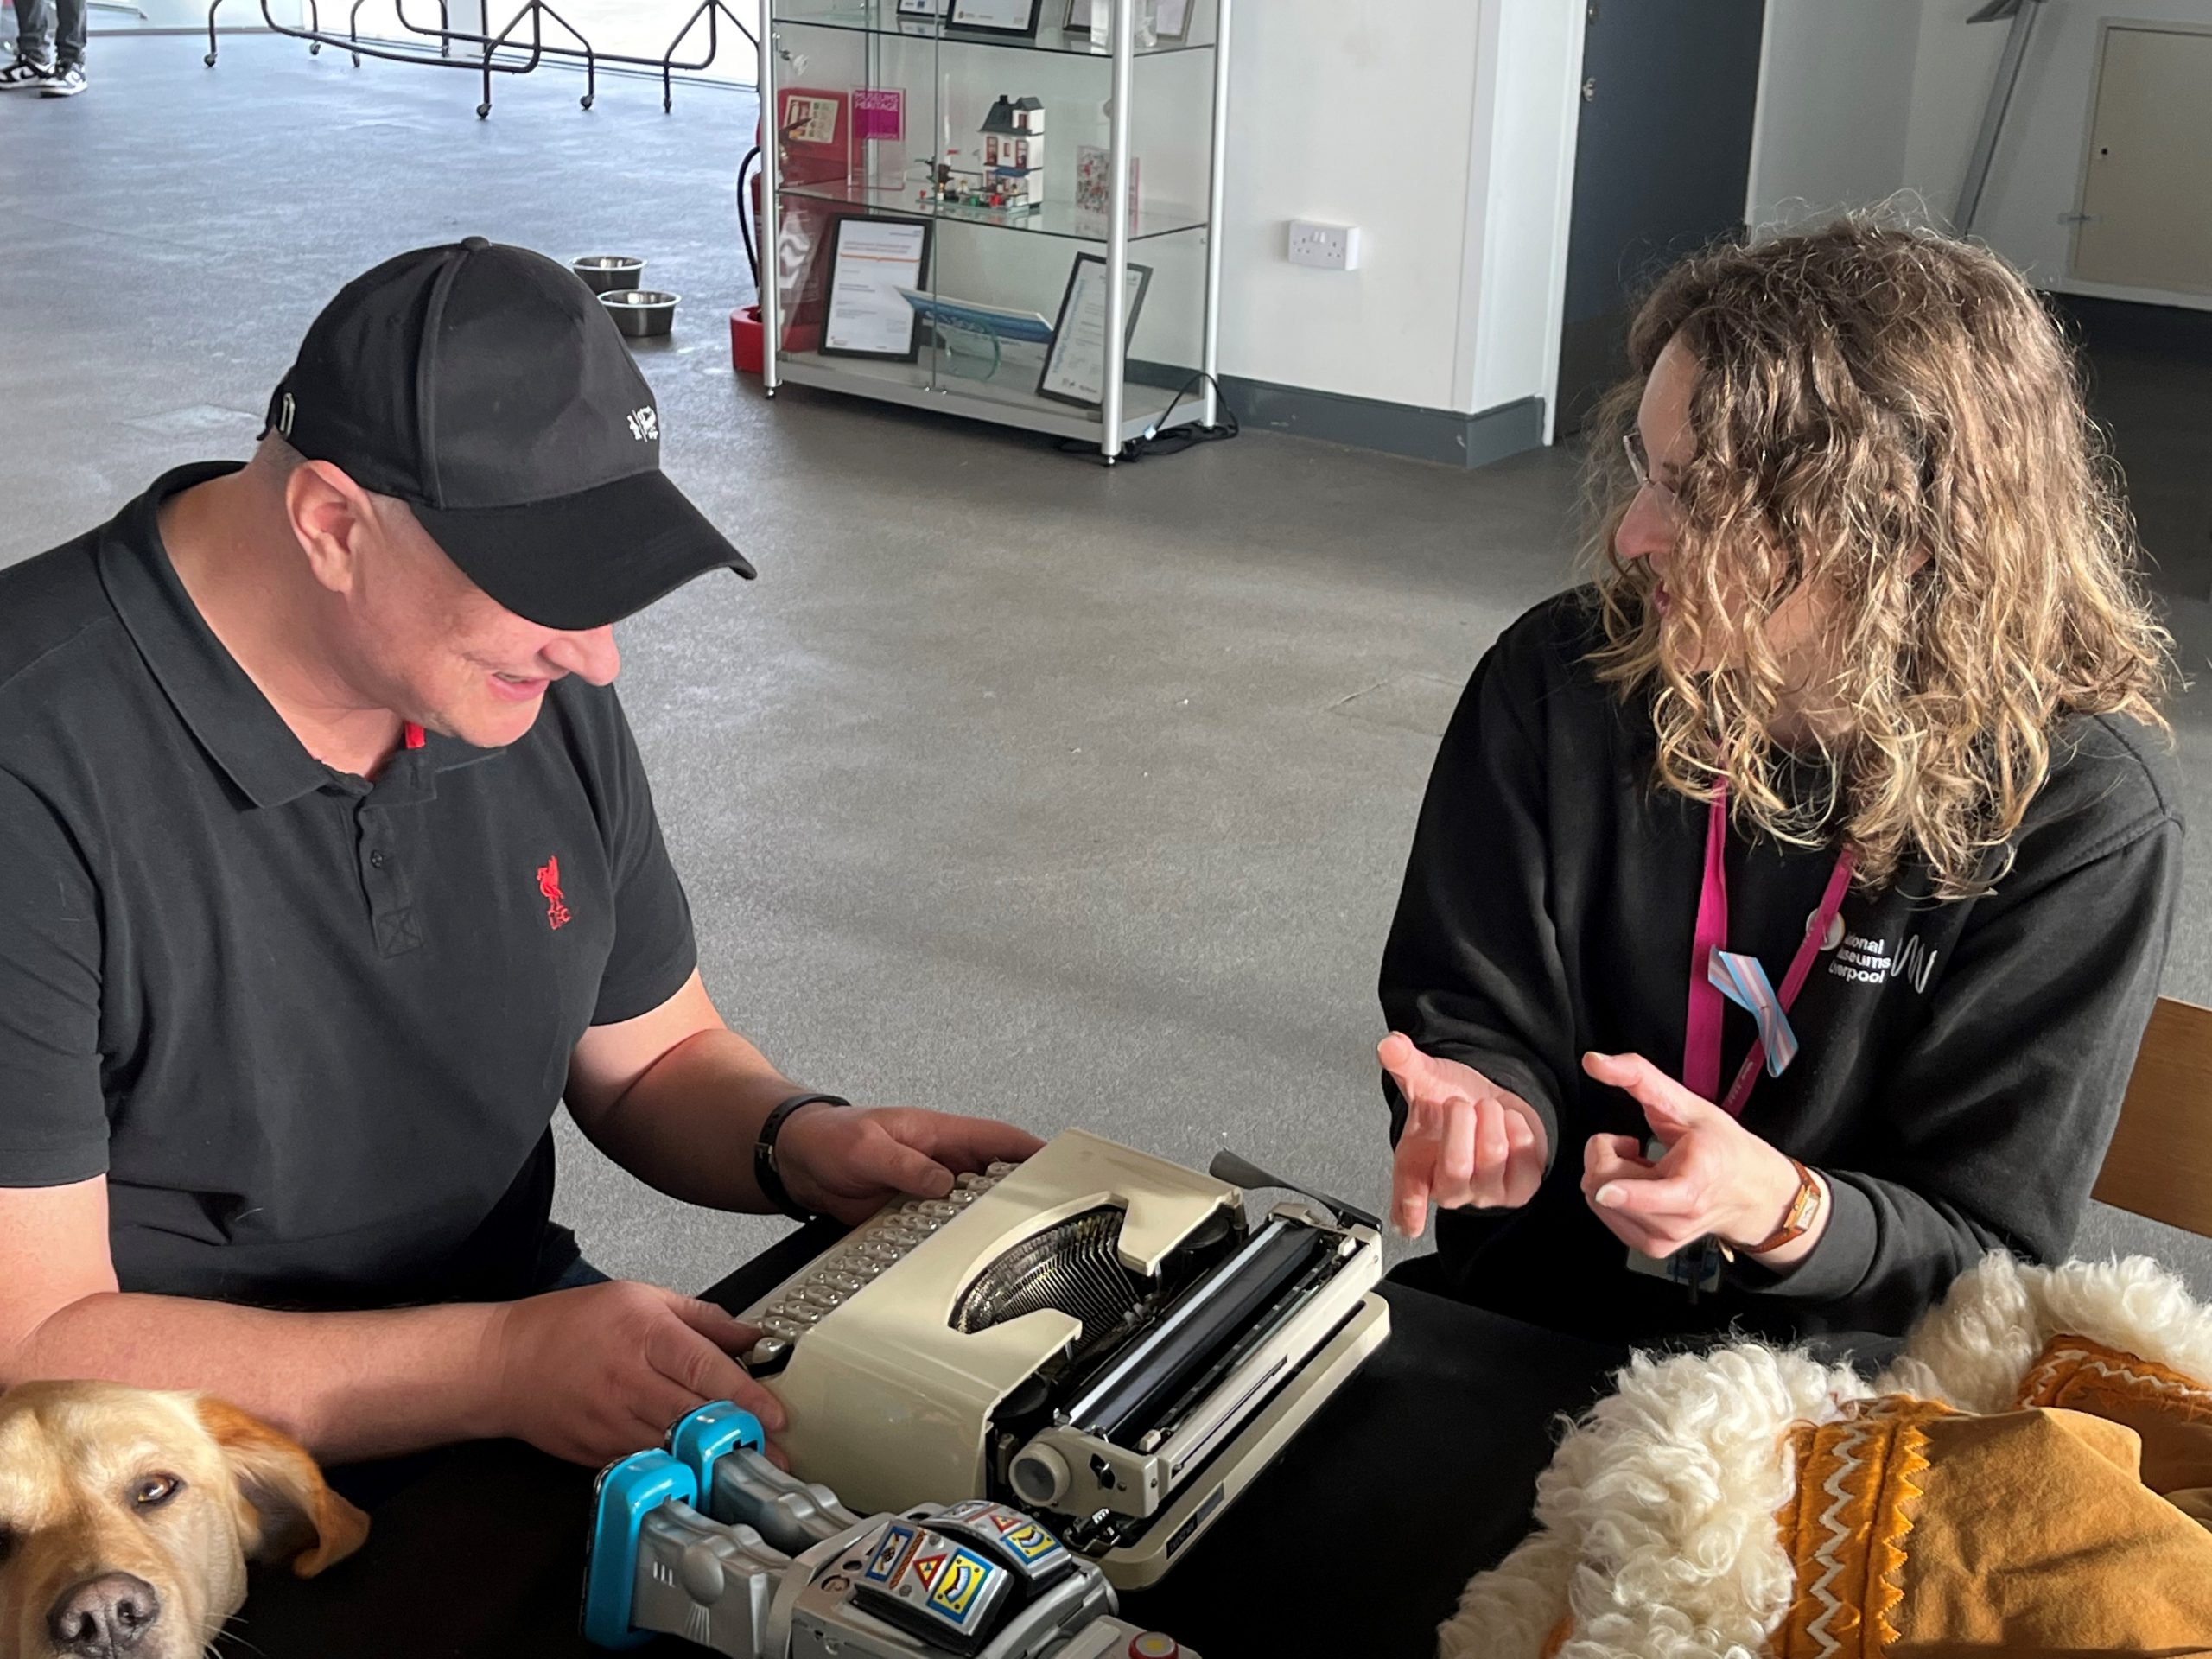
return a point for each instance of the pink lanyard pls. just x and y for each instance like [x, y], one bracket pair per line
[1701, 1035]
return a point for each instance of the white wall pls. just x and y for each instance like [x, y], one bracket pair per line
[2036, 180]
[1354, 112]
[1521, 198]
[1861, 99]
[1444, 129]
[1835, 105]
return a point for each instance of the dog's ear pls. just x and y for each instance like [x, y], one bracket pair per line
[291, 1514]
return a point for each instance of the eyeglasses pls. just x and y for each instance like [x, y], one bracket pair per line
[1639, 466]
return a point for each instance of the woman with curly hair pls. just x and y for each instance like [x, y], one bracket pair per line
[1786, 906]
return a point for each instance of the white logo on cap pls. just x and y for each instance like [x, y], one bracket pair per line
[644, 425]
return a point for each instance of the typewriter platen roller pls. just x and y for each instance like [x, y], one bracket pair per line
[1097, 1335]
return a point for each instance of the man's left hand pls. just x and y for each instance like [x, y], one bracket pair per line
[1716, 1178]
[846, 1160]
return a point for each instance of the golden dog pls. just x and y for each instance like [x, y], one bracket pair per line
[127, 1517]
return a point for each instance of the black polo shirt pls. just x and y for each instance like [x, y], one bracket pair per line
[312, 1028]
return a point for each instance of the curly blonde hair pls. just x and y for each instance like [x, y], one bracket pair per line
[1892, 415]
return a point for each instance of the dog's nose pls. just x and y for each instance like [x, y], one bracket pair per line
[103, 1617]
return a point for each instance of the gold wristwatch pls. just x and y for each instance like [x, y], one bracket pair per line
[1804, 1204]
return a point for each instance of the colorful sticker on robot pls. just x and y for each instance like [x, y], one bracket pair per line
[924, 1569]
[1032, 1542]
[957, 1584]
[891, 1554]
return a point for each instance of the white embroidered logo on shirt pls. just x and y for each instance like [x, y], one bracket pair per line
[644, 425]
[1872, 961]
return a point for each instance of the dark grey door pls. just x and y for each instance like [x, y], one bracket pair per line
[1662, 162]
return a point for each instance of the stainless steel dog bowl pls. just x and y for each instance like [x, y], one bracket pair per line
[641, 313]
[604, 271]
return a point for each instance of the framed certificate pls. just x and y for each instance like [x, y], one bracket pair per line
[1075, 364]
[1172, 20]
[871, 260]
[997, 16]
[933, 10]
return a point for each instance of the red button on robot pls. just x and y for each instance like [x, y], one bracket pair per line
[1155, 1644]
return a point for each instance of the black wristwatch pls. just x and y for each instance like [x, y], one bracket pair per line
[766, 1175]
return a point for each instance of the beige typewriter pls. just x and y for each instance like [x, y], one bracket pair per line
[1095, 1334]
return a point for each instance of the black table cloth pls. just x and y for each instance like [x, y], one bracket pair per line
[1354, 1542]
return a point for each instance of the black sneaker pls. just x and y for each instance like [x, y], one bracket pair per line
[67, 82]
[24, 76]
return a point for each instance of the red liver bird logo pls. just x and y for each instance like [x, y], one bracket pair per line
[549, 883]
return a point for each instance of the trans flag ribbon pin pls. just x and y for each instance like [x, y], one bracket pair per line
[1743, 981]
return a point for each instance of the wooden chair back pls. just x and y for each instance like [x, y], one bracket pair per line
[2160, 1162]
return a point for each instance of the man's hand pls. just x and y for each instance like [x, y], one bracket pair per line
[1717, 1177]
[677, 1099]
[1465, 1140]
[845, 1161]
[593, 1375]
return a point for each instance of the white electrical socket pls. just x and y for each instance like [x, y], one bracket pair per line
[1324, 247]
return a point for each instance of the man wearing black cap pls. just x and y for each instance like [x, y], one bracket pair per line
[328, 868]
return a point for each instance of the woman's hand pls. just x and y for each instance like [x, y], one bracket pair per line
[1465, 1140]
[846, 1160]
[1717, 1177]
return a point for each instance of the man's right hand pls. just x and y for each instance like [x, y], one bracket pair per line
[1465, 1140]
[595, 1373]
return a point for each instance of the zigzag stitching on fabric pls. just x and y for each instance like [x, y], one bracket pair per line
[1886, 1553]
[1839, 1532]
[2040, 1380]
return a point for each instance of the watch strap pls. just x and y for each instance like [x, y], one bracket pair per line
[766, 1175]
[1804, 1204]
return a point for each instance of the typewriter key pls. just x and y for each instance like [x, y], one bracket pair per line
[767, 1354]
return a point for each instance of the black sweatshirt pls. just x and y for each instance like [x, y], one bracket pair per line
[1961, 1064]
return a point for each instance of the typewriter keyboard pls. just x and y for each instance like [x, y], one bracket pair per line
[802, 1300]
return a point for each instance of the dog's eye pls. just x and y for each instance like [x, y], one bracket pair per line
[151, 1491]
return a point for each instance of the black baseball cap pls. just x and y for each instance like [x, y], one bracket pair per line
[486, 387]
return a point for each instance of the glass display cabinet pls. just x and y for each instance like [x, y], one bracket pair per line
[1004, 209]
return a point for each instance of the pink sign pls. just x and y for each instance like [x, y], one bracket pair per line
[880, 112]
